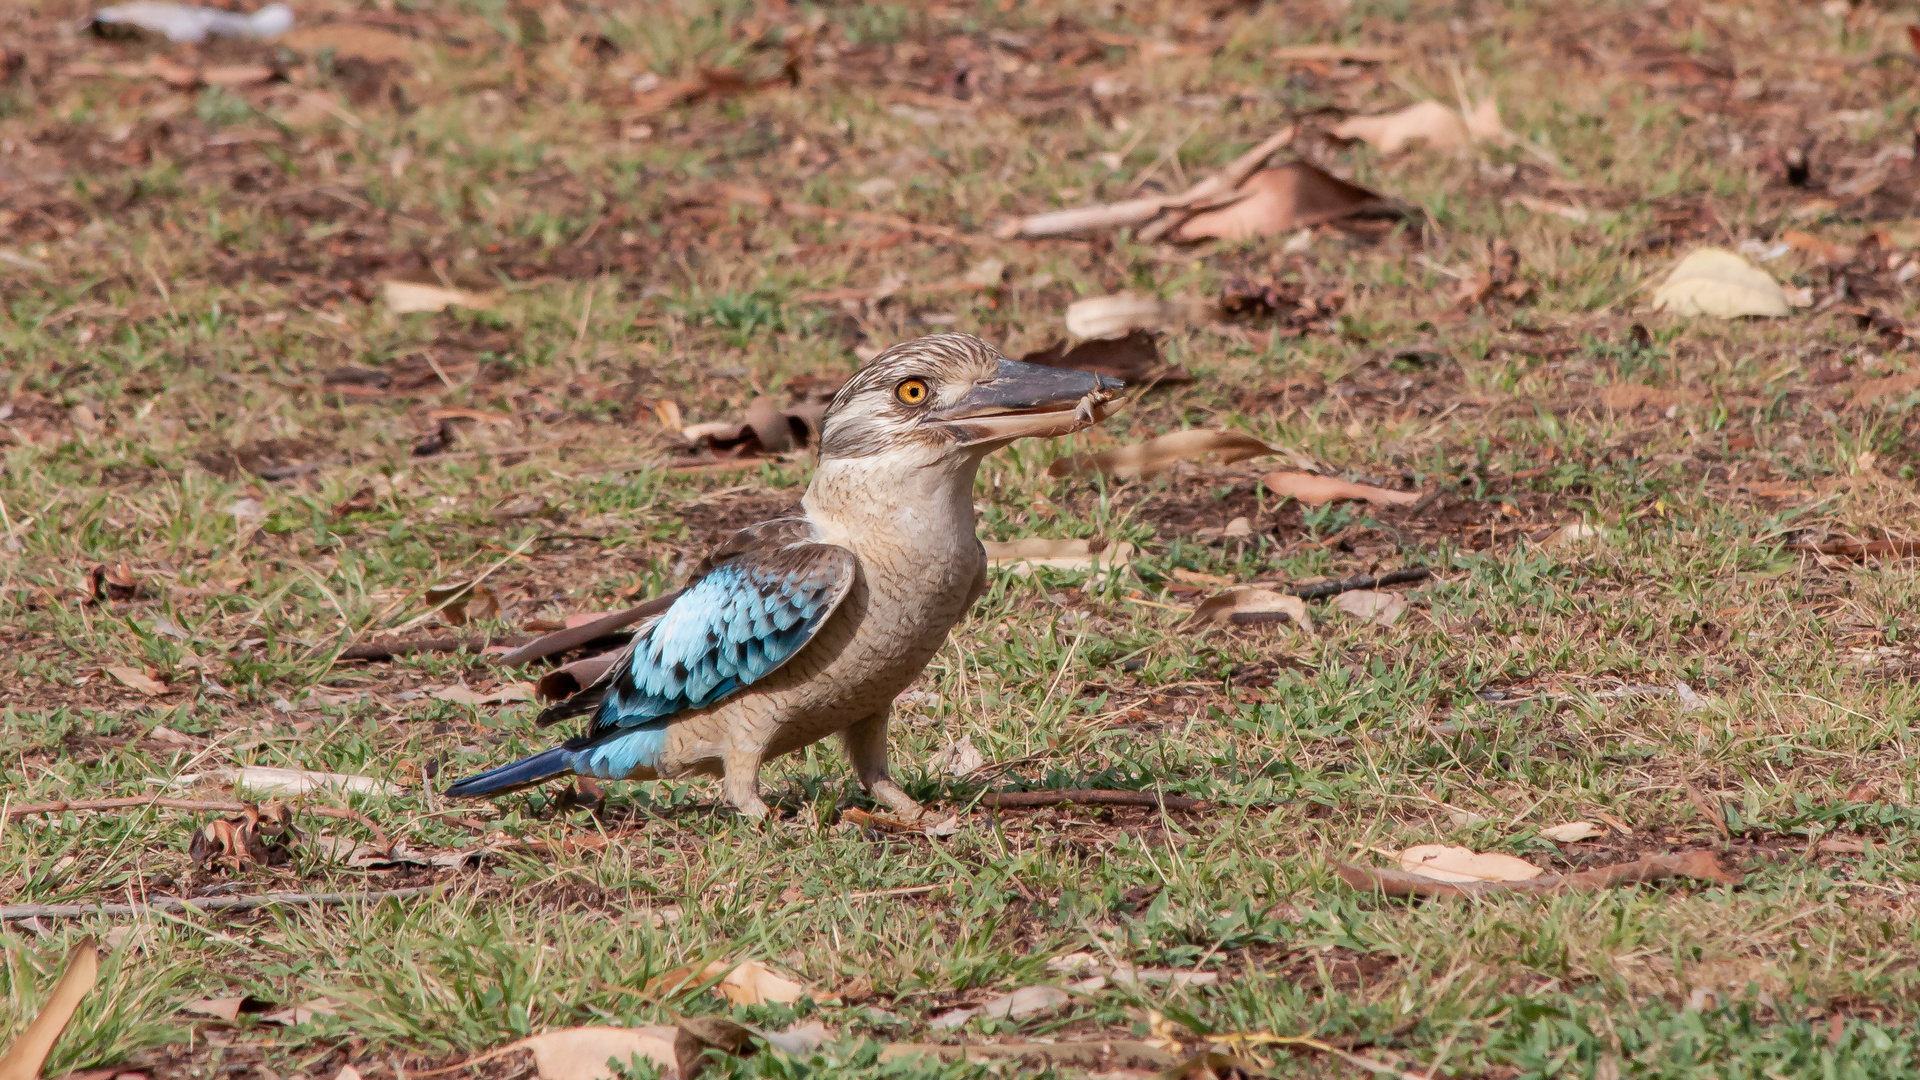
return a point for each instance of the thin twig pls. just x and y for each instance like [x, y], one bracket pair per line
[380, 838]
[1008, 800]
[1860, 549]
[1322, 590]
[209, 904]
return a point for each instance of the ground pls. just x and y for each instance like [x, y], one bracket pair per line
[1646, 609]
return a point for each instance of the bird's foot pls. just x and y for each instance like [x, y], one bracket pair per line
[753, 809]
[902, 804]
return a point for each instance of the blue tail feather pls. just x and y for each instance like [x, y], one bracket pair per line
[524, 773]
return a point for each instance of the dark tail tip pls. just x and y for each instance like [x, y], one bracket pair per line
[524, 773]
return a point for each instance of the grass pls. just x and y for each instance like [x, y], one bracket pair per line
[184, 269]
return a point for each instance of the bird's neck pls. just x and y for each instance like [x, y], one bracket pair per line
[876, 504]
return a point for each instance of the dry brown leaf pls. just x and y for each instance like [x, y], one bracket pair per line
[29, 1051]
[462, 695]
[347, 40]
[1442, 862]
[261, 835]
[1485, 125]
[1572, 832]
[1383, 608]
[116, 582]
[1025, 1001]
[582, 1053]
[752, 983]
[1715, 281]
[220, 1008]
[406, 297]
[1314, 490]
[1252, 607]
[1892, 386]
[1133, 359]
[1111, 316]
[1428, 122]
[1825, 251]
[1293, 196]
[270, 780]
[462, 603]
[1021, 556]
[1157, 455]
[137, 680]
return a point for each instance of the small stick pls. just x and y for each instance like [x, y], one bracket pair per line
[1694, 864]
[1008, 800]
[1324, 589]
[379, 835]
[211, 903]
[561, 640]
[387, 650]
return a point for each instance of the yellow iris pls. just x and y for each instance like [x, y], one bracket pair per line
[911, 392]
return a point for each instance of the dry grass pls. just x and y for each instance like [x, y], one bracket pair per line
[193, 330]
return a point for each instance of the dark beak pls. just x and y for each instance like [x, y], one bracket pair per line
[1029, 401]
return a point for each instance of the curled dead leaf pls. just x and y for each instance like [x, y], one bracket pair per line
[1293, 196]
[116, 582]
[1133, 358]
[464, 602]
[1382, 608]
[260, 835]
[1315, 490]
[1112, 316]
[1427, 122]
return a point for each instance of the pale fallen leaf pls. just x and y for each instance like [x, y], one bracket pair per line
[1280, 200]
[220, 1008]
[461, 603]
[1442, 862]
[582, 1053]
[1485, 125]
[752, 983]
[137, 679]
[958, 758]
[29, 1051]
[347, 1072]
[1157, 455]
[1428, 122]
[1112, 316]
[194, 22]
[1128, 976]
[461, 695]
[1548, 206]
[1572, 832]
[406, 297]
[1253, 606]
[302, 1013]
[1715, 281]
[1384, 608]
[268, 780]
[987, 273]
[1021, 556]
[1576, 532]
[1022, 1002]
[131, 936]
[1315, 490]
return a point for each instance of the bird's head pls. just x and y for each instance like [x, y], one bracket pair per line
[955, 396]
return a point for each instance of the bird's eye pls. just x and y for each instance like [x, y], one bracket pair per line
[911, 392]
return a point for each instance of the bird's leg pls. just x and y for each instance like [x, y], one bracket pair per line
[740, 781]
[866, 746]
